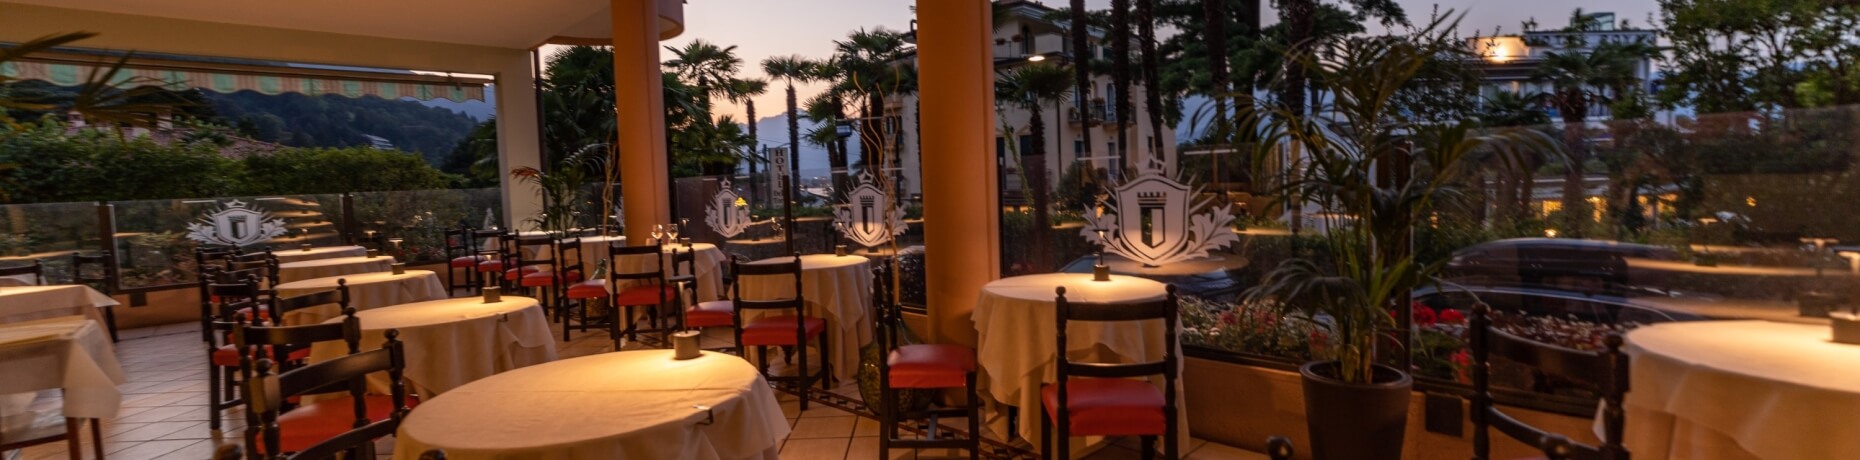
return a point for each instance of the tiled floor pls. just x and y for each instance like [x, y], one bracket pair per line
[164, 415]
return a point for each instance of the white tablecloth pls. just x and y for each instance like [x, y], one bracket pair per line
[19, 280]
[26, 303]
[1017, 333]
[838, 289]
[627, 405]
[452, 342]
[707, 260]
[287, 255]
[68, 352]
[1742, 390]
[366, 291]
[335, 266]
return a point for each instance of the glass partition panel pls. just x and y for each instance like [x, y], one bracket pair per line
[49, 233]
[410, 225]
[156, 239]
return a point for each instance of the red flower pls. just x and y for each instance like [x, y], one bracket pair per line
[1423, 315]
[1451, 316]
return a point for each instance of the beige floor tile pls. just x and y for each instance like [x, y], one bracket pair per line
[866, 448]
[1213, 451]
[823, 427]
[199, 450]
[151, 449]
[814, 449]
[153, 431]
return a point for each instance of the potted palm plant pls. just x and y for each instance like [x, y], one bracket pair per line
[562, 186]
[1374, 164]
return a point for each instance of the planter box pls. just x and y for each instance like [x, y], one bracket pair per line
[1241, 405]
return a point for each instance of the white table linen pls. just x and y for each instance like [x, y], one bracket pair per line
[335, 266]
[707, 261]
[838, 289]
[19, 280]
[27, 303]
[71, 353]
[1741, 390]
[366, 291]
[626, 405]
[1017, 332]
[452, 342]
[291, 254]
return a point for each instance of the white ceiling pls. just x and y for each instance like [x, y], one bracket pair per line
[498, 23]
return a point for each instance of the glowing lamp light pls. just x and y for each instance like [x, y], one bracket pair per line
[1550, 233]
[1036, 58]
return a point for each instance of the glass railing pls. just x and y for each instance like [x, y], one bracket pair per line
[411, 225]
[155, 239]
[49, 233]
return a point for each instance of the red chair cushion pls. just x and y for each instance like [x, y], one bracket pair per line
[228, 356]
[590, 289]
[316, 422]
[644, 295]
[779, 330]
[715, 313]
[263, 315]
[491, 266]
[547, 278]
[467, 261]
[1109, 407]
[931, 366]
[519, 272]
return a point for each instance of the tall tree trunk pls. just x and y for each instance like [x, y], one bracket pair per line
[750, 106]
[1033, 168]
[1214, 30]
[1120, 76]
[1152, 103]
[1575, 111]
[794, 139]
[1081, 68]
[841, 180]
[1298, 16]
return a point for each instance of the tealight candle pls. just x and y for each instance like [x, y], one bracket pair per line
[306, 247]
[373, 253]
[1846, 327]
[685, 345]
[839, 250]
[399, 268]
[493, 294]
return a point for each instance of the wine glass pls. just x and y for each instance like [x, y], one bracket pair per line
[657, 232]
[672, 234]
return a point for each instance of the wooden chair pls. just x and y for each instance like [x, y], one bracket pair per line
[345, 425]
[920, 366]
[49, 425]
[704, 313]
[103, 281]
[587, 293]
[279, 307]
[462, 255]
[1108, 401]
[37, 270]
[260, 256]
[652, 291]
[524, 274]
[212, 256]
[564, 270]
[285, 347]
[491, 269]
[220, 304]
[1605, 370]
[796, 330]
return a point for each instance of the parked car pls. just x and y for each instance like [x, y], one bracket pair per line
[1551, 302]
[1589, 266]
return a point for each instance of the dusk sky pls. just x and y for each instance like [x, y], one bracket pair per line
[763, 28]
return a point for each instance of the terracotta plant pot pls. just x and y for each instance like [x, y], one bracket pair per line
[1355, 421]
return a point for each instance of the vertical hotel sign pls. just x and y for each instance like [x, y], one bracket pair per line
[778, 169]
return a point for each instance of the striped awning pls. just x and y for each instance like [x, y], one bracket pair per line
[68, 69]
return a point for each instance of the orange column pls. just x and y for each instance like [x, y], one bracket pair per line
[640, 117]
[961, 231]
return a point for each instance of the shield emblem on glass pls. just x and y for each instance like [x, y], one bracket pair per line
[728, 213]
[237, 224]
[1155, 220]
[864, 218]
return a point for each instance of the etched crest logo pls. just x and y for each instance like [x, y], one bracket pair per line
[728, 213]
[864, 218]
[1152, 220]
[236, 224]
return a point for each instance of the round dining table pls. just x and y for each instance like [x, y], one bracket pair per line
[837, 289]
[292, 254]
[366, 291]
[1721, 390]
[451, 342]
[625, 405]
[335, 266]
[27, 303]
[707, 265]
[1017, 334]
[70, 353]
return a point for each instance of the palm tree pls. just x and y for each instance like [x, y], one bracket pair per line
[1081, 73]
[705, 65]
[791, 69]
[830, 107]
[1152, 96]
[1580, 81]
[1507, 109]
[869, 60]
[1030, 87]
[745, 90]
[1120, 75]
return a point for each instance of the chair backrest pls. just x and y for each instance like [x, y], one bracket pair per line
[265, 268]
[1605, 370]
[338, 296]
[219, 301]
[1165, 309]
[209, 255]
[887, 312]
[282, 340]
[743, 270]
[259, 256]
[515, 257]
[460, 242]
[684, 261]
[567, 257]
[654, 251]
[104, 280]
[266, 395]
[37, 270]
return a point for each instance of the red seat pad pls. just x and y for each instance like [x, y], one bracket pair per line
[779, 330]
[263, 314]
[548, 278]
[644, 295]
[715, 313]
[228, 356]
[467, 261]
[590, 289]
[516, 273]
[316, 422]
[1109, 407]
[491, 266]
[931, 366]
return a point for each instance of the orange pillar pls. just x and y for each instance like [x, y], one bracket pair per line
[961, 224]
[640, 118]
